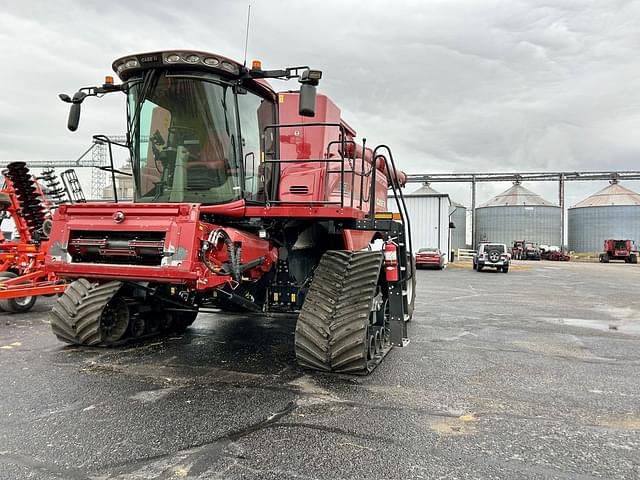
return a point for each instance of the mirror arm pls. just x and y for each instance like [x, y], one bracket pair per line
[85, 92]
[80, 95]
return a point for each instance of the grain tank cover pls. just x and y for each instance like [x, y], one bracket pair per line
[517, 195]
[612, 195]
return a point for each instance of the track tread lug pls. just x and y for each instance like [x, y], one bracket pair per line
[75, 317]
[331, 329]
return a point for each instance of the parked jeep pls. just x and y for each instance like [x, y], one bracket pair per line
[493, 255]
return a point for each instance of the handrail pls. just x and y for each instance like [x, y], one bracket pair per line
[343, 142]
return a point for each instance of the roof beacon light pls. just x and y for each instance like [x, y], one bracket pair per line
[108, 80]
[256, 65]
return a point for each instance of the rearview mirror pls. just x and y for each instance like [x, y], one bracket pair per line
[74, 111]
[307, 101]
[74, 117]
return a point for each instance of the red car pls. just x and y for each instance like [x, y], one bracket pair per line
[430, 257]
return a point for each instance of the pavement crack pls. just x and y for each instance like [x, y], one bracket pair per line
[200, 455]
[271, 420]
[334, 430]
[65, 473]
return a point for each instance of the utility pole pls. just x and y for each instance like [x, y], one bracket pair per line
[473, 212]
[562, 211]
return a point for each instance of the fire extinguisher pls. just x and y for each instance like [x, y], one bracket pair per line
[391, 262]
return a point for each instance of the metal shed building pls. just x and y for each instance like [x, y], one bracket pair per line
[429, 211]
[613, 212]
[458, 216]
[518, 214]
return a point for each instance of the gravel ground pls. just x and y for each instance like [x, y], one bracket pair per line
[532, 374]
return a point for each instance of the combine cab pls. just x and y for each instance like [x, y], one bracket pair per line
[242, 203]
[619, 250]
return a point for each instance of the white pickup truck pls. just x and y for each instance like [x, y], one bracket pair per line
[493, 255]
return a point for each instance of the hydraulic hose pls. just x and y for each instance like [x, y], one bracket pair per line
[233, 252]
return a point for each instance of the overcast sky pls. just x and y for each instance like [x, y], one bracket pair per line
[451, 86]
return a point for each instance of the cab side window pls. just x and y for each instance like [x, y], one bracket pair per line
[251, 110]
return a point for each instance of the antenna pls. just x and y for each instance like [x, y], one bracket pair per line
[246, 39]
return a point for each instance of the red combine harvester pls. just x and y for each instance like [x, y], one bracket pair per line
[22, 273]
[619, 250]
[242, 203]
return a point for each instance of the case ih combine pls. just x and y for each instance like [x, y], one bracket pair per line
[241, 203]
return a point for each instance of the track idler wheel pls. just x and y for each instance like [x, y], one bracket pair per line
[114, 320]
[334, 332]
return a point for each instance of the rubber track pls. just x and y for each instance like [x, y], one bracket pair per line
[331, 332]
[75, 317]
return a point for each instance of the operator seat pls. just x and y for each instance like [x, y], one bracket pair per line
[210, 170]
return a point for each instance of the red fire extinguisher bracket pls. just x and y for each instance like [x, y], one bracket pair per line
[391, 262]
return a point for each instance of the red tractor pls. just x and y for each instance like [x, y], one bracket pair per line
[619, 250]
[242, 203]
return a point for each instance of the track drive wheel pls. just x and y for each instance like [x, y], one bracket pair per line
[334, 331]
[90, 314]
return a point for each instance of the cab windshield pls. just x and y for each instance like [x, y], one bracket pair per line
[185, 140]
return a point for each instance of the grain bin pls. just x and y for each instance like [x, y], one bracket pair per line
[518, 214]
[611, 213]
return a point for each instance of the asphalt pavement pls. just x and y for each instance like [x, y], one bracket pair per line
[530, 374]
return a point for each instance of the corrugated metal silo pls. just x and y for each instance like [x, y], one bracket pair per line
[459, 219]
[611, 213]
[518, 214]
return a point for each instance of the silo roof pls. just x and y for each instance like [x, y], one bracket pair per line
[517, 195]
[614, 194]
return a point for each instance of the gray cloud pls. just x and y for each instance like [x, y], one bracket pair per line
[451, 86]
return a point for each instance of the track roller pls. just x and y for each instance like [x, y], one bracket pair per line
[337, 329]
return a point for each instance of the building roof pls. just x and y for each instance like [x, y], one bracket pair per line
[427, 190]
[612, 195]
[515, 196]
